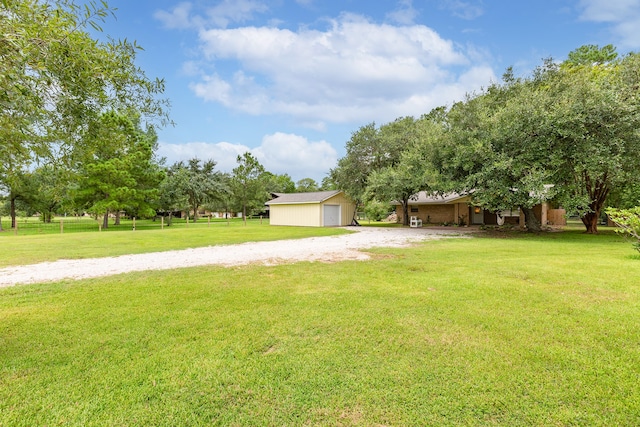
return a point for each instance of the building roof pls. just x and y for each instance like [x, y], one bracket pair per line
[300, 198]
[423, 198]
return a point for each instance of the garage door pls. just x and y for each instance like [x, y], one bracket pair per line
[331, 215]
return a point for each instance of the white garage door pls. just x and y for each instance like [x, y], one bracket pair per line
[331, 215]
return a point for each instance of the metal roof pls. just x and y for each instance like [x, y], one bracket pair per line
[299, 198]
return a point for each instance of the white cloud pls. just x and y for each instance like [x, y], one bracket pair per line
[354, 70]
[178, 18]
[223, 153]
[220, 15]
[609, 10]
[296, 155]
[623, 15]
[405, 14]
[279, 153]
[464, 9]
[229, 11]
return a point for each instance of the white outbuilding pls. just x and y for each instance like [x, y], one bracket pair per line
[315, 209]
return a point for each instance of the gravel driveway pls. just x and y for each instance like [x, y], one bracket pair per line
[328, 249]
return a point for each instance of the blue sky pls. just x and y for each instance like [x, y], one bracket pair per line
[290, 80]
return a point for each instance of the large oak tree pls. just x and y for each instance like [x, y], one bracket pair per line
[55, 79]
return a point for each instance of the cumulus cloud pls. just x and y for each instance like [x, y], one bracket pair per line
[623, 15]
[219, 15]
[178, 18]
[279, 153]
[354, 70]
[223, 153]
[464, 9]
[405, 14]
[296, 155]
[229, 11]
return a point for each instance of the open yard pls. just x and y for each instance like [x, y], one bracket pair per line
[504, 329]
[34, 248]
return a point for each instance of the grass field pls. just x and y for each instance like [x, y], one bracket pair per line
[29, 249]
[28, 226]
[505, 329]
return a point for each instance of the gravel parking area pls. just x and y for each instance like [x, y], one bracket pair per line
[325, 249]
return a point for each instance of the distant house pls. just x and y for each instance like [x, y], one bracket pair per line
[316, 209]
[455, 208]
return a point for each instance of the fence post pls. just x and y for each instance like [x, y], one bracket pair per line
[134, 223]
[61, 226]
[187, 220]
[209, 221]
[162, 223]
[260, 219]
[15, 230]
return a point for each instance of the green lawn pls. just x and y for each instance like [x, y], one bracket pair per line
[18, 250]
[28, 226]
[528, 330]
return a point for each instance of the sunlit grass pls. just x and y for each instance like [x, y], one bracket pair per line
[49, 247]
[526, 330]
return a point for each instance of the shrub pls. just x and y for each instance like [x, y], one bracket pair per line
[376, 210]
[628, 221]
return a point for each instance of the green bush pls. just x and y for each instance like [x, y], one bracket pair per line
[628, 221]
[376, 210]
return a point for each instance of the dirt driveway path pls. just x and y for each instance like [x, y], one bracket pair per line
[333, 248]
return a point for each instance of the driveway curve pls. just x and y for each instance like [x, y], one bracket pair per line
[327, 249]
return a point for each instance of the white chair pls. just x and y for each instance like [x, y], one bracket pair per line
[415, 222]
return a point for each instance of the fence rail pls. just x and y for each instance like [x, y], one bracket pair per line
[34, 225]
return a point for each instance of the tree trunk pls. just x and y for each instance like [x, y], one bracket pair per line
[13, 212]
[590, 221]
[598, 192]
[117, 220]
[531, 222]
[170, 217]
[405, 212]
[195, 210]
[244, 213]
[105, 220]
[1, 224]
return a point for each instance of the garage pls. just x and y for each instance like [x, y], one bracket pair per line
[314, 209]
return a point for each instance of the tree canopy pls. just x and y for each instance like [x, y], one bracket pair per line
[192, 184]
[55, 80]
[569, 132]
[247, 184]
[116, 168]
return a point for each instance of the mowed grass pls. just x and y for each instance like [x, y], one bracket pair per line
[20, 250]
[530, 330]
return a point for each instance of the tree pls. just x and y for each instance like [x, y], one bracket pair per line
[194, 182]
[568, 132]
[370, 149]
[328, 184]
[594, 126]
[278, 183]
[116, 167]
[412, 173]
[364, 154]
[46, 190]
[55, 79]
[629, 222]
[16, 187]
[493, 149]
[247, 186]
[171, 198]
[306, 185]
[376, 210]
